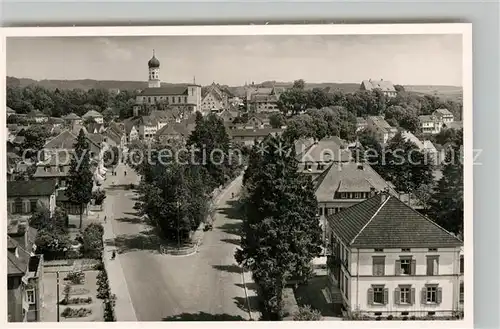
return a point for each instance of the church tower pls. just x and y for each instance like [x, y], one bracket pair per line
[154, 72]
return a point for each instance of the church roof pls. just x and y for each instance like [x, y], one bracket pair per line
[153, 62]
[165, 91]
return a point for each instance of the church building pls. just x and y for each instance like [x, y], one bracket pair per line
[182, 96]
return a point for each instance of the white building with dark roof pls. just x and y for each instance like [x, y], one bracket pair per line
[178, 96]
[388, 261]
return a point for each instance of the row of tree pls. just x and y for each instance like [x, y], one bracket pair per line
[280, 233]
[58, 103]
[176, 192]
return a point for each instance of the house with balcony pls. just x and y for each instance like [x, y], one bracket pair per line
[24, 197]
[24, 273]
[390, 262]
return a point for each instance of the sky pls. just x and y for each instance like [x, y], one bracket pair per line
[234, 60]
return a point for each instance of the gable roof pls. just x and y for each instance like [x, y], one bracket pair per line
[325, 150]
[444, 112]
[384, 221]
[409, 137]
[67, 140]
[9, 110]
[426, 118]
[378, 85]
[71, 116]
[92, 114]
[349, 177]
[454, 125]
[165, 91]
[94, 126]
[30, 188]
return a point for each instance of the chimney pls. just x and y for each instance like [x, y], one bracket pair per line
[372, 192]
[383, 197]
[360, 166]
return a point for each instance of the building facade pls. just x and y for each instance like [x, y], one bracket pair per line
[386, 87]
[186, 96]
[389, 261]
[24, 197]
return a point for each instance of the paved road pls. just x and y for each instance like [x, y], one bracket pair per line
[205, 286]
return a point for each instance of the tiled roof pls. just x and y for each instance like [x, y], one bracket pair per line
[444, 112]
[71, 116]
[115, 127]
[426, 118]
[113, 135]
[97, 139]
[384, 221]
[65, 140]
[94, 126]
[325, 150]
[378, 84]
[379, 122]
[348, 177]
[361, 121]
[129, 124]
[92, 114]
[54, 120]
[302, 144]
[30, 188]
[173, 129]
[171, 91]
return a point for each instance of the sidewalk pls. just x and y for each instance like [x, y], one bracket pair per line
[251, 295]
[124, 309]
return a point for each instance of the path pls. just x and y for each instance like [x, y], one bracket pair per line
[206, 286]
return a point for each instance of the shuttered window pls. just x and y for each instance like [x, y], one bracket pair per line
[431, 294]
[432, 265]
[378, 265]
[378, 295]
[405, 266]
[404, 295]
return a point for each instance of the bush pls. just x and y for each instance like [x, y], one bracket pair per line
[76, 313]
[306, 313]
[390, 317]
[92, 244]
[76, 301]
[76, 277]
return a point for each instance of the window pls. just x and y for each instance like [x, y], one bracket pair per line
[33, 205]
[185, 99]
[405, 250]
[461, 298]
[346, 258]
[433, 249]
[405, 266]
[432, 265]
[19, 206]
[461, 264]
[404, 295]
[431, 294]
[358, 195]
[379, 250]
[321, 211]
[179, 99]
[378, 265]
[30, 295]
[320, 166]
[378, 295]
[346, 286]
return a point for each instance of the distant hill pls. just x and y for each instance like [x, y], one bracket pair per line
[446, 92]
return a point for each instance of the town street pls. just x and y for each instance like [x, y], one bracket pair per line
[205, 286]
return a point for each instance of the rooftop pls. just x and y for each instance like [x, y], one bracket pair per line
[348, 177]
[92, 114]
[30, 188]
[165, 91]
[326, 150]
[384, 221]
[378, 84]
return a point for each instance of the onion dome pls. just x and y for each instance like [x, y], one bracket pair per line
[153, 62]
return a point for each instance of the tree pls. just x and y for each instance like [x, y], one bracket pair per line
[92, 243]
[447, 201]
[34, 139]
[211, 142]
[108, 115]
[276, 120]
[280, 233]
[299, 84]
[80, 178]
[406, 166]
[307, 313]
[51, 244]
[111, 157]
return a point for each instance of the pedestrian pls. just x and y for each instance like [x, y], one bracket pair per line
[113, 254]
[125, 173]
[104, 219]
